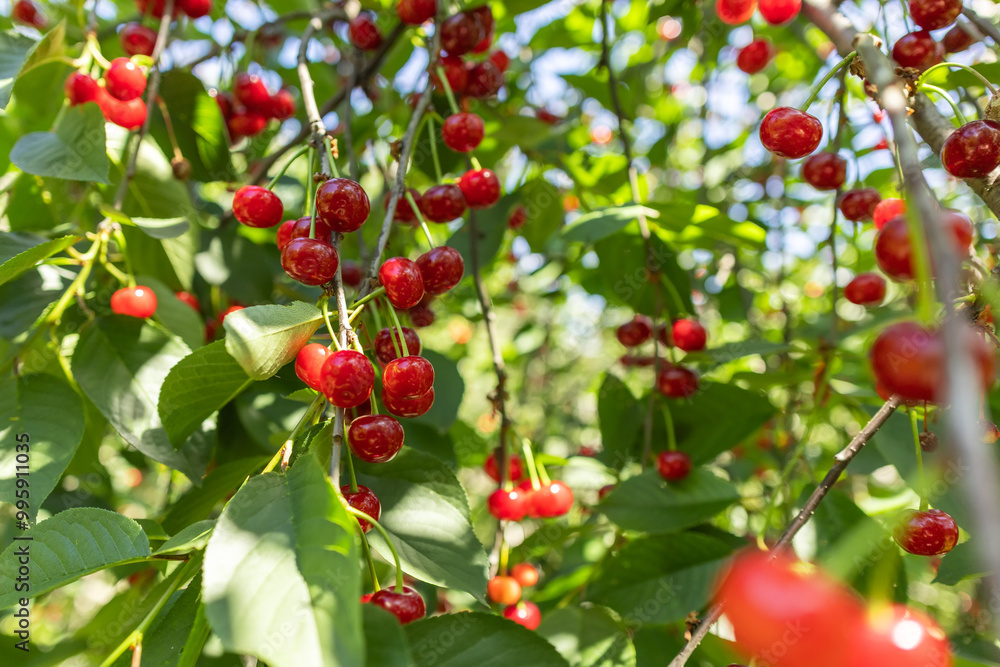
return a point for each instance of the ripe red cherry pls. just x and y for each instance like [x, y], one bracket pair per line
[524, 613]
[926, 533]
[137, 39]
[195, 8]
[895, 636]
[130, 115]
[245, 123]
[310, 261]
[515, 470]
[485, 79]
[281, 105]
[735, 12]
[385, 351]
[508, 505]
[517, 218]
[502, 61]
[859, 205]
[755, 56]
[342, 204]
[825, 171]
[525, 573]
[460, 33]
[894, 247]
[484, 15]
[135, 301]
[689, 335]
[415, 12]
[406, 605]
[26, 12]
[764, 599]
[189, 299]
[957, 40]
[80, 87]
[364, 32]
[255, 206]
[504, 590]
[481, 188]
[365, 501]
[866, 289]
[462, 132]
[404, 285]
[375, 438]
[673, 466]
[886, 210]
[408, 377]
[909, 360]
[778, 12]
[677, 382]
[790, 133]
[404, 212]
[635, 332]
[347, 379]
[441, 268]
[154, 8]
[309, 363]
[917, 50]
[973, 150]
[249, 90]
[408, 407]
[455, 73]
[350, 274]
[124, 80]
[421, 316]
[442, 203]
[551, 500]
[935, 14]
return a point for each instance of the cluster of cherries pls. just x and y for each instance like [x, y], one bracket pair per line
[755, 56]
[118, 93]
[250, 106]
[522, 496]
[685, 334]
[919, 50]
[506, 590]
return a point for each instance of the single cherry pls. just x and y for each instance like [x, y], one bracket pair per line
[310, 261]
[408, 377]
[342, 204]
[779, 12]
[364, 33]
[442, 203]
[935, 14]
[485, 79]
[689, 335]
[421, 315]
[415, 12]
[755, 56]
[866, 289]
[895, 636]
[404, 285]
[502, 61]
[351, 274]
[250, 91]
[825, 171]
[365, 501]
[189, 299]
[138, 301]
[347, 379]
[460, 33]
[635, 332]
[375, 438]
[515, 470]
[195, 8]
[441, 269]
[859, 205]
[281, 105]
[918, 50]
[673, 466]
[406, 605]
[525, 573]
[926, 532]
[517, 218]
[408, 407]
[255, 206]
[551, 500]
[124, 80]
[130, 115]
[508, 505]
[137, 39]
[894, 246]
[481, 188]
[455, 73]
[957, 40]
[973, 150]
[385, 350]
[886, 210]
[27, 13]
[734, 12]
[80, 87]
[677, 381]
[309, 363]
[524, 613]
[462, 132]
[504, 590]
[790, 133]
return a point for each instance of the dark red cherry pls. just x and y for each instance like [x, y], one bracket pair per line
[734, 12]
[309, 363]
[342, 204]
[894, 246]
[481, 188]
[245, 123]
[957, 40]
[502, 61]
[517, 218]
[484, 15]
[138, 301]
[524, 613]
[408, 407]
[859, 205]
[441, 268]
[677, 381]
[365, 501]
[347, 379]
[485, 79]
[189, 299]
[866, 289]
[80, 87]
[455, 73]
[462, 132]
[137, 39]
[825, 171]
[404, 285]
[935, 14]
[918, 50]
[635, 332]
[779, 12]
[385, 351]
[250, 91]
[282, 105]
[406, 605]
[755, 56]
[195, 8]
[124, 80]
[442, 203]
[689, 335]
[973, 150]
[673, 466]
[408, 377]
[415, 12]
[154, 8]
[131, 115]
[364, 33]
[515, 470]
[460, 33]
[310, 261]
[551, 500]
[508, 505]
[350, 274]
[886, 210]
[27, 13]
[926, 533]
[255, 206]
[404, 212]
[421, 316]
[299, 229]
[375, 438]
[790, 133]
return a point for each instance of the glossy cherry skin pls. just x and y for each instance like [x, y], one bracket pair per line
[407, 606]
[918, 50]
[935, 14]
[282, 105]
[80, 87]
[455, 73]
[375, 438]
[442, 203]
[408, 407]
[859, 205]
[415, 12]
[504, 590]
[909, 360]
[886, 210]
[27, 13]
[299, 229]
[385, 351]
[481, 188]
[508, 505]
[755, 56]
[255, 206]
[957, 40]
[866, 289]
[897, 636]
[525, 573]
[551, 500]
[485, 79]
[973, 150]
[462, 132]
[137, 39]
[825, 171]
[515, 470]
[635, 332]
[673, 466]
[309, 363]
[250, 91]
[689, 335]
[364, 33]
[777, 604]
[404, 285]
[677, 382]
[130, 115]
[790, 133]
[364, 500]
[347, 379]
[926, 533]
[734, 12]
[342, 204]
[195, 8]
[441, 268]
[460, 33]
[408, 377]
[310, 261]
[124, 80]
[526, 613]
[135, 301]
[894, 246]
[779, 12]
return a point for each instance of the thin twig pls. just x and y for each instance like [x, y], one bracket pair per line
[984, 25]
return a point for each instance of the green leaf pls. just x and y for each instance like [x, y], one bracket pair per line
[163, 642]
[483, 640]
[262, 339]
[75, 151]
[47, 415]
[385, 643]
[199, 385]
[449, 388]
[660, 579]
[68, 546]
[426, 511]
[283, 560]
[198, 502]
[545, 214]
[14, 49]
[158, 228]
[962, 562]
[596, 225]
[620, 416]
[176, 316]
[21, 252]
[588, 637]
[647, 503]
[192, 538]
[51, 46]
[702, 434]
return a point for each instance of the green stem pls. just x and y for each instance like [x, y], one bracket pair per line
[398, 326]
[986, 82]
[504, 555]
[328, 143]
[373, 295]
[826, 79]
[946, 97]
[921, 482]
[420, 218]
[196, 639]
[303, 420]
[371, 562]
[120, 239]
[447, 90]
[385, 535]
[671, 436]
[350, 470]
[529, 461]
[309, 193]
[325, 308]
[392, 333]
[295, 156]
[432, 138]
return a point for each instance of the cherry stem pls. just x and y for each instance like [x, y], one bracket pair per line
[432, 139]
[420, 218]
[303, 420]
[504, 555]
[309, 196]
[299, 153]
[671, 436]
[986, 83]
[946, 97]
[371, 562]
[529, 461]
[120, 240]
[447, 89]
[542, 473]
[325, 307]
[398, 326]
[350, 470]
[826, 79]
[395, 342]
[921, 482]
[328, 142]
[475, 162]
[385, 535]
[365, 299]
